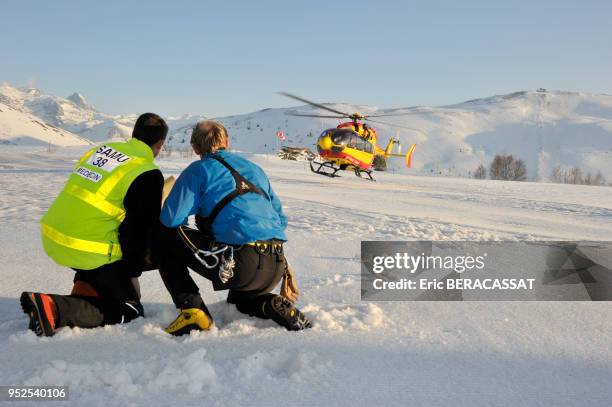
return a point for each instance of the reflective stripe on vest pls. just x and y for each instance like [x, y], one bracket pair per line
[80, 244]
[98, 199]
[81, 228]
[95, 200]
[116, 176]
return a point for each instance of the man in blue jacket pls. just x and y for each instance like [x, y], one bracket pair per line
[238, 243]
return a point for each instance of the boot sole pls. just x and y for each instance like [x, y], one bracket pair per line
[281, 310]
[32, 306]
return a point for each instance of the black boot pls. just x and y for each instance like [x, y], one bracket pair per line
[271, 306]
[284, 313]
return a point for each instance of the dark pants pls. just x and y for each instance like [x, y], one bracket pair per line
[256, 273]
[107, 296]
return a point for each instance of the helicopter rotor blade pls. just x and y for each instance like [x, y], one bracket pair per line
[320, 106]
[315, 115]
[394, 125]
[390, 114]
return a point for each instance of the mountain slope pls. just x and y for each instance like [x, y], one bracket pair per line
[544, 128]
[72, 114]
[19, 128]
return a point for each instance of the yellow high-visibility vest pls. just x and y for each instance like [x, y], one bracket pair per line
[81, 228]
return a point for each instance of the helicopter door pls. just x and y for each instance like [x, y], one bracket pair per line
[350, 139]
[358, 143]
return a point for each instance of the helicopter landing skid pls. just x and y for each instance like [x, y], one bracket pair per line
[320, 170]
[367, 172]
[322, 166]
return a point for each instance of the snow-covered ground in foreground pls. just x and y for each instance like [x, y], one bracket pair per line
[358, 353]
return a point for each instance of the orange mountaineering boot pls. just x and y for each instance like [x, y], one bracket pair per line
[42, 312]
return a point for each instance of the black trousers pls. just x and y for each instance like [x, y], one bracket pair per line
[256, 272]
[116, 299]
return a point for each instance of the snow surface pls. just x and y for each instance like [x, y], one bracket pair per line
[358, 353]
[22, 129]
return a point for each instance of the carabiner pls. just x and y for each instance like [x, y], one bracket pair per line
[204, 262]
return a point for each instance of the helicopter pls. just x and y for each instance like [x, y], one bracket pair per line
[351, 146]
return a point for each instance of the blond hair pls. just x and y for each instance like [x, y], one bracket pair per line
[208, 136]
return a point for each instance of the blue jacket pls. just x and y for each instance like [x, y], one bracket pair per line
[247, 218]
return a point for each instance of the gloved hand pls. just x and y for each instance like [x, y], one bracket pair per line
[289, 288]
[168, 184]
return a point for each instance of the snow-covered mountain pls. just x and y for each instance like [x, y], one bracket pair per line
[544, 128]
[72, 114]
[21, 128]
[79, 100]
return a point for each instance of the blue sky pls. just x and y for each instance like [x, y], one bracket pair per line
[216, 59]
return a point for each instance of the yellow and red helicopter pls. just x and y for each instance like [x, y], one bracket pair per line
[351, 146]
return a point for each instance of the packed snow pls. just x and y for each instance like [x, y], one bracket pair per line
[358, 353]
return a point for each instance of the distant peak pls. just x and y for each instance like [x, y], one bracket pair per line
[32, 91]
[79, 100]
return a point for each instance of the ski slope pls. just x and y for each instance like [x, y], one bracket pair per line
[387, 353]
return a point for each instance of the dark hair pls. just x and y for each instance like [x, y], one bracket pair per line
[150, 128]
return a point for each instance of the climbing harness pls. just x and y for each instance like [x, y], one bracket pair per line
[216, 257]
[222, 255]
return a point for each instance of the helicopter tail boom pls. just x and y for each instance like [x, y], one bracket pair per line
[408, 155]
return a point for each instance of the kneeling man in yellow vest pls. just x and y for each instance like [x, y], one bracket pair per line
[98, 226]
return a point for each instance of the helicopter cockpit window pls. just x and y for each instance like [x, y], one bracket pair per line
[368, 147]
[342, 137]
[326, 132]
